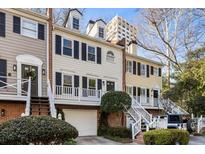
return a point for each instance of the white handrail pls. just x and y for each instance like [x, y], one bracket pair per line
[51, 101]
[145, 115]
[172, 107]
[28, 101]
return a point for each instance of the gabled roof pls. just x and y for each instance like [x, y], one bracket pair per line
[93, 23]
[75, 10]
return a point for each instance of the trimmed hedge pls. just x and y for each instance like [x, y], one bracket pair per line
[166, 137]
[119, 132]
[36, 130]
[115, 101]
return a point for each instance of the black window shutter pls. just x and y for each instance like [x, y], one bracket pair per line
[138, 91]
[58, 83]
[58, 78]
[41, 29]
[84, 52]
[160, 72]
[84, 82]
[148, 71]
[76, 49]
[152, 70]
[2, 24]
[134, 91]
[99, 55]
[147, 92]
[138, 68]
[58, 44]
[76, 81]
[16, 24]
[99, 84]
[3, 71]
[134, 67]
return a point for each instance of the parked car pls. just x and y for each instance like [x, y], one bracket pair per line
[176, 121]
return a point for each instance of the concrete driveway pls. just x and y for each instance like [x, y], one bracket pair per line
[197, 140]
[95, 140]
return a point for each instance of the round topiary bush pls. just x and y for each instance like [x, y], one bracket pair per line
[166, 137]
[36, 130]
[115, 101]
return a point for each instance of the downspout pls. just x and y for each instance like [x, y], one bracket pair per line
[50, 44]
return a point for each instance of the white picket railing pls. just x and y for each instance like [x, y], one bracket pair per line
[72, 93]
[13, 88]
[200, 123]
[51, 100]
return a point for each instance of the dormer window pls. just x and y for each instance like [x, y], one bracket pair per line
[110, 56]
[75, 23]
[101, 32]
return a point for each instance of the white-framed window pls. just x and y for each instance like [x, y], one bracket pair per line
[68, 80]
[91, 53]
[67, 47]
[76, 23]
[110, 57]
[129, 90]
[155, 71]
[67, 84]
[91, 83]
[101, 32]
[143, 69]
[129, 66]
[29, 28]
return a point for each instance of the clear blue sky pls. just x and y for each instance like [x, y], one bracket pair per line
[108, 13]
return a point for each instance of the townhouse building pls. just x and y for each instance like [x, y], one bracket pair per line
[84, 68]
[23, 53]
[144, 81]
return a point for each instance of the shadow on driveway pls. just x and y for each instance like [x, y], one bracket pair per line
[95, 140]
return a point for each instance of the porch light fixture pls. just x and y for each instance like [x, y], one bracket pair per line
[43, 71]
[14, 68]
[103, 83]
[2, 112]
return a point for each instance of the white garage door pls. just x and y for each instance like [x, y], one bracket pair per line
[85, 121]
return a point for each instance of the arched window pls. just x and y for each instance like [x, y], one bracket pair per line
[110, 57]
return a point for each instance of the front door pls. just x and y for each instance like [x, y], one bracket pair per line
[156, 98]
[30, 71]
[110, 86]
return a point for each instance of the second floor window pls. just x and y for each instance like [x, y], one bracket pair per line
[67, 47]
[155, 70]
[91, 53]
[143, 70]
[75, 23]
[101, 32]
[29, 28]
[92, 84]
[129, 90]
[129, 66]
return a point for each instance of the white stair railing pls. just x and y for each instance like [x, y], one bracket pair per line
[140, 109]
[171, 107]
[51, 101]
[135, 118]
[28, 101]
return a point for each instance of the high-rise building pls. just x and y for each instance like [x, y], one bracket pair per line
[118, 28]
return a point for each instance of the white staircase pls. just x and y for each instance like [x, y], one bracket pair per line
[137, 115]
[171, 107]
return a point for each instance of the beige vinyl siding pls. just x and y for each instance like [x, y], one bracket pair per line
[16, 44]
[105, 71]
